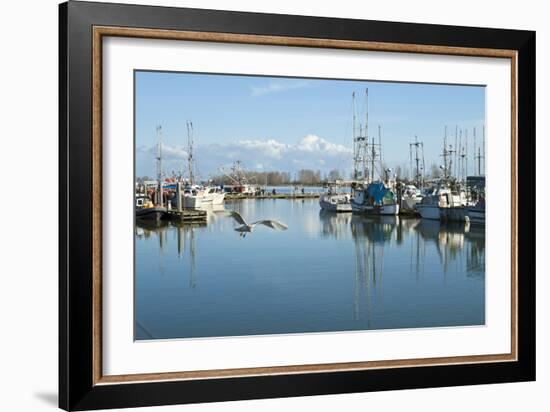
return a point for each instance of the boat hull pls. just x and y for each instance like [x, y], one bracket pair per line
[378, 210]
[151, 213]
[192, 202]
[335, 204]
[476, 216]
[428, 211]
[408, 204]
[446, 214]
[213, 198]
[453, 214]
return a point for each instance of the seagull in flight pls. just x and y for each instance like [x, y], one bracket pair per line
[248, 228]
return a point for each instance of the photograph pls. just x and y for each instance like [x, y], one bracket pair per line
[275, 203]
[288, 205]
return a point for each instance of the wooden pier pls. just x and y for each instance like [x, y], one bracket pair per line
[231, 196]
[187, 215]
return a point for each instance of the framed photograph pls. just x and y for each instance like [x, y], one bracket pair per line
[256, 205]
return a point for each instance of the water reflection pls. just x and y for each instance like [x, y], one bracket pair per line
[372, 235]
[327, 272]
[334, 224]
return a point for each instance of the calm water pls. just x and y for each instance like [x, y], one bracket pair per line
[327, 272]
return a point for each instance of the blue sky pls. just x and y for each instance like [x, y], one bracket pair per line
[287, 124]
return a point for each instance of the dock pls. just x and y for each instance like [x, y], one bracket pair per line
[187, 215]
[231, 196]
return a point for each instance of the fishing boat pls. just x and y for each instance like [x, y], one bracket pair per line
[192, 197]
[476, 213]
[151, 213]
[145, 209]
[195, 196]
[375, 199]
[428, 207]
[476, 210]
[370, 197]
[333, 201]
[410, 197]
[240, 180]
[441, 203]
[213, 195]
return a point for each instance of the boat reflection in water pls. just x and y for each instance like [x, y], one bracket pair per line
[433, 250]
[328, 272]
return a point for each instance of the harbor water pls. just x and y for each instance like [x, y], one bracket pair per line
[326, 273]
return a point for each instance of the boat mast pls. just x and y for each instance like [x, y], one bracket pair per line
[483, 145]
[447, 157]
[360, 144]
[461, 167]
[354, 137]
[475, 151]
[445, 154]
[159, 165]
[418, 176]
[466, 154]
[373, 154]
[367, 114]
[380, 148]
[190, 152]
[456, 151]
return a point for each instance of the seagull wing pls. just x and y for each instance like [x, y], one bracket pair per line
[273, 224]
[237, 217]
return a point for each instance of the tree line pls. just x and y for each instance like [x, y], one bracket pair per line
[305, 176]
[274, 178]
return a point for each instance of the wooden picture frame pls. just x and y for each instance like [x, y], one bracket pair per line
[82, 28]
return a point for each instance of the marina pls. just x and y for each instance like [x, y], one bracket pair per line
[449, 194]
[364, 244]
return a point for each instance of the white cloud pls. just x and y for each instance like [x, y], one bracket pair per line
[310, 152]
[168, 152]
[276, 87]
[270, 148]
[313, 143]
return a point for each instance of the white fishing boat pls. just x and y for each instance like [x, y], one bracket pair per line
[192, 197]
[454, 207]
[410, 197]
[375, 199]
[333, 201]
[428, 207]
[213, 195]
[443, 204]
